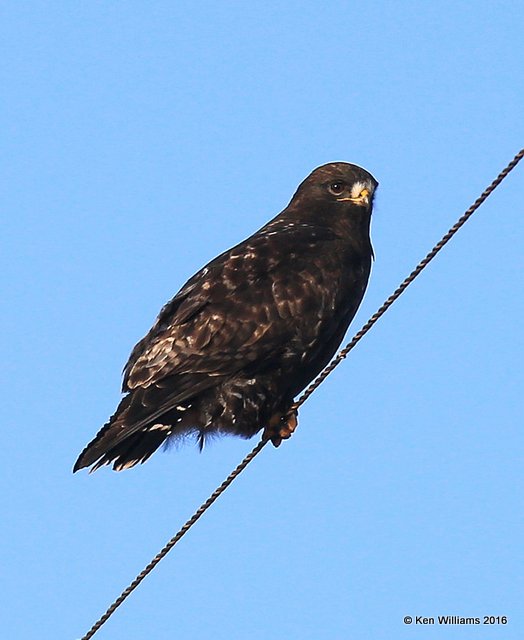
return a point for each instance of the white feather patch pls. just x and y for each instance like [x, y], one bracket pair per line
[159, 427]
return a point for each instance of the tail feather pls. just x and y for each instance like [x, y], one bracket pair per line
[134, 450]
[128, 439]
[144, 419]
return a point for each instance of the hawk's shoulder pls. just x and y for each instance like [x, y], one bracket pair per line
[225, 316]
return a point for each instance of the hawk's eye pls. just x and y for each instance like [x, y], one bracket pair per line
[337, 188]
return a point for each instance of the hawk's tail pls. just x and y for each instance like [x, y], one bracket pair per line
[127, 439]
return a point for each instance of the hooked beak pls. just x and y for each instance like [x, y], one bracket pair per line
[362, 198]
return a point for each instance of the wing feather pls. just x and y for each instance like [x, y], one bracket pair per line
[239, 309]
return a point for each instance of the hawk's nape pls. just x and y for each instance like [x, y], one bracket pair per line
[239, 341]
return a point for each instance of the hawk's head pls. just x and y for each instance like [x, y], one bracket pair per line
[338, 183]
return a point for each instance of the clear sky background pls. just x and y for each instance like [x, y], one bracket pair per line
[140, 139]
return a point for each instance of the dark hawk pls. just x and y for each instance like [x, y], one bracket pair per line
[240, 340]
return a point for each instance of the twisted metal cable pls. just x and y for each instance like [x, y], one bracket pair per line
[161, 554]
[405, 284]
[307, 393]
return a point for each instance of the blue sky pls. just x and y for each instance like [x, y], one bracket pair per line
[139, 140]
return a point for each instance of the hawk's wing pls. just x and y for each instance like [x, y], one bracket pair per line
[239, 310]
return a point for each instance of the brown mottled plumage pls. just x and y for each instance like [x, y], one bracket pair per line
[249, 331]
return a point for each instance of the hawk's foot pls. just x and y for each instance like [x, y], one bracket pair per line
[281, 427]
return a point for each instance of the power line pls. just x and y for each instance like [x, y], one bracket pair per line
[167, 548]
[307, 393]
[405, 284]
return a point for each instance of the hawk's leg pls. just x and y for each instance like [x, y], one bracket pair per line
[281, 427]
